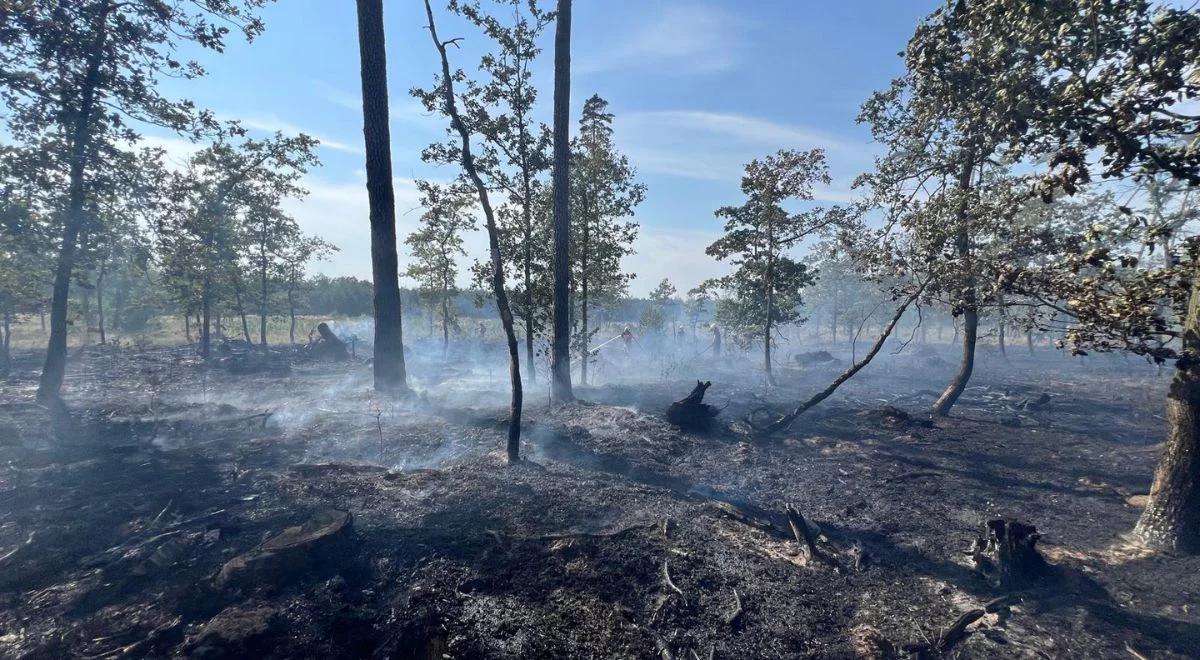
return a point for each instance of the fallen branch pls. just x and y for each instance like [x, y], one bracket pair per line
[957, 630]
[670, 583]
[786, 420]
[733, 617]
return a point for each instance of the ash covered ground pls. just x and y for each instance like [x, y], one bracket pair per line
[282, 509]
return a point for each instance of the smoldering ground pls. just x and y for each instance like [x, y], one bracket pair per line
[619, 536]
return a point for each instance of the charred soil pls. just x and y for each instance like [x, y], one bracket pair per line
[358, 526]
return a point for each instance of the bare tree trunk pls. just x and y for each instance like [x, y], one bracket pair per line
[5, 344]
[1000, 327]
[87, 316]
[506, 317]
[241, 308]
[770, 296]
[560, 386]
[262, 302]
[291, 295]
[385, 264]
[206, 316]
[187, 326]
[1029, 340]
[445, 321]
[54, 368]
[1171, 520]
[971, 312]
[100, 304]
[583, 304]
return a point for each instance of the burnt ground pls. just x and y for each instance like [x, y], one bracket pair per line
[618, 537]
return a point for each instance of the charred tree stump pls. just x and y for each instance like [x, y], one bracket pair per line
[1006, 556]
[329, 346]
[691, 413]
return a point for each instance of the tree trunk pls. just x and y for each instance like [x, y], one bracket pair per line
[187, 326]
[445, 322]
[506, 317]
[770, 297]
[291, 294]
[205, 319]
[1000, 328]
[971, 312]
[560, 386]
[262, 301]
[1171, 520]
[100, 304]
[54, 368]
[87, 316]
[1029, 340]
[385, 268]
[241, 308]
[5, 344]
[965, 367]
[583, 304]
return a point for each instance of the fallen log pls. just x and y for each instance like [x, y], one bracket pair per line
[292, 550]
[690, 412]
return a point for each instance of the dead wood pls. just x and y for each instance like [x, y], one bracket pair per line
[670, 583]
[690, 412]
[785, 421]
[804, 536]
[290, 550]
[957, 630]
[733, 618]
[1006, 555]
[328, 346]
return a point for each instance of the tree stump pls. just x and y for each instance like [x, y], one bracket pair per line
[328, 346]
[691, 413]
[1006, 556]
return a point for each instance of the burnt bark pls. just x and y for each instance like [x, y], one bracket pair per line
[691, 412]
[560, 347]
[1171, 520]
[330, 347]
[389, 369]
[506, 317]
[1006, 555]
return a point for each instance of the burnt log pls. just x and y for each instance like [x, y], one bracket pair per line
[291, 551]
[690, 412]
[1006, 555]
[814, 357]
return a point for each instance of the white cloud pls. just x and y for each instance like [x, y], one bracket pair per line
[715, 147]
[676, 254]
[742, 128]
[677, 39]
[176, 149]
[272, 124]
[340, 214]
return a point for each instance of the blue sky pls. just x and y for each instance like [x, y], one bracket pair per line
[698, 89]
